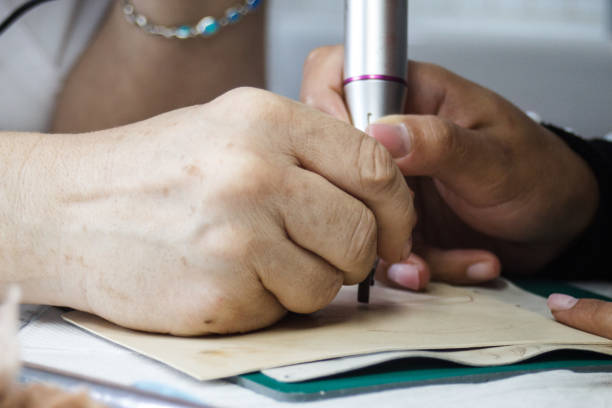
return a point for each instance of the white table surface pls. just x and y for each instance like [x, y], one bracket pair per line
[48, 340]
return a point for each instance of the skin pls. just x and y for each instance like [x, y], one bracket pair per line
[591, 315]
[215, 218]
[126, 75]
[491, 186]
[9, 359]
[200, 220]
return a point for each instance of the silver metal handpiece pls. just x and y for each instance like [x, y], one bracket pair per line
[375, 67]
[375, 58]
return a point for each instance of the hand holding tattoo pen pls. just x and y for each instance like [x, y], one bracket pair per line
[375, 65]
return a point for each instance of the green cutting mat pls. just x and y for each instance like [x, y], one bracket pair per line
[423, 371]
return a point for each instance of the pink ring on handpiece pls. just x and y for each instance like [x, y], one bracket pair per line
[374, 76]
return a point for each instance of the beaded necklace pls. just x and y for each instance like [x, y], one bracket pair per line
[206, 27]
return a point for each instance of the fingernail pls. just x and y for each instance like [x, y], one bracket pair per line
[481, 271]
[406, 275]
[396, 138]
[407, 249]
[558, 302]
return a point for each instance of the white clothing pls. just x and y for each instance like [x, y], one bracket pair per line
[36, 53]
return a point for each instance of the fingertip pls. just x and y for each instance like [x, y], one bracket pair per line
[590, 315]
[412, 275]
[405, 275]
[482, 271]
[558, 302]
[396, 137]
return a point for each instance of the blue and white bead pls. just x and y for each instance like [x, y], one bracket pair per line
[207, 26]
[252, 4]
[183, 32]
[232, 15]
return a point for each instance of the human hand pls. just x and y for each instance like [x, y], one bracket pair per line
[591, 315]
[490, 184]
[9, 358]
[216, 218]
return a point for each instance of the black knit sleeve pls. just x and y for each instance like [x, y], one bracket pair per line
[590, 255]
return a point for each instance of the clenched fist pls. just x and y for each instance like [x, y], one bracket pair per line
[210, 219]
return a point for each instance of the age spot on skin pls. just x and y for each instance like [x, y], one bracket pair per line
[193, 170]
[82, 261]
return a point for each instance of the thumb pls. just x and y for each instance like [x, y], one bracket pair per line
[591, 315]
[426, 145]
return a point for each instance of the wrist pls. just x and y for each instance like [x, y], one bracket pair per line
[587, 250]
[32, 219]
[576, 193]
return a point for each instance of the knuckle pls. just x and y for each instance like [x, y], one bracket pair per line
[248, 178]
[434, 68]
[435, 72]
[318, 54]
[406, 219]
[601, 314]
[361, 245]
[412, 216]
[254, 103]
[244, 245]
[314, 57]
[439, 130]
[231, 245]
[377, 170]
[243, 93]
[497, 105]
[443, 138]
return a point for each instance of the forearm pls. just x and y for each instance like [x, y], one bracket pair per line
[127, 75]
